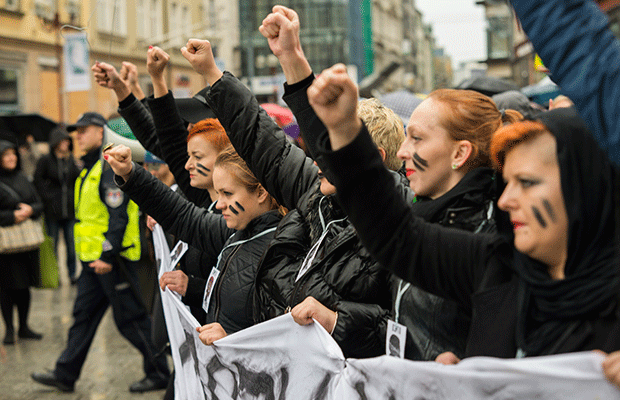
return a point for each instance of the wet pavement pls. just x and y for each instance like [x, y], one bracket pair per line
[111, 366]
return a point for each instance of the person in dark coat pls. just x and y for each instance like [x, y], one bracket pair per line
[316, 254]
[237, 238]
[457, 190]
[54, 179]
[554, 289]
[18, 271]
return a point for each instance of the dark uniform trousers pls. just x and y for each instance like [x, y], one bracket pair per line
[94, 294]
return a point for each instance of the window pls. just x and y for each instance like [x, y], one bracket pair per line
[499, 38]
[9, 90]
[185, 25]
[141, 21]
[154, 19]
[112, 17]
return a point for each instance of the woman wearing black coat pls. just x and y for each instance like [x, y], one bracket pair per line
[554, 289]
[18, 271]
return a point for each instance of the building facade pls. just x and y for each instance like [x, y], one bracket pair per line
[33, 34]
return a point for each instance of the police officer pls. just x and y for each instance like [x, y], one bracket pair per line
[107, 241]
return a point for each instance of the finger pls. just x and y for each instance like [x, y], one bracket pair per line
[288, 12]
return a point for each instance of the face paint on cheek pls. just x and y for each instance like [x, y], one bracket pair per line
[240, 206]
[201, 169]
[233, 210]
[419, 162]
[539, 217]
[549, 209]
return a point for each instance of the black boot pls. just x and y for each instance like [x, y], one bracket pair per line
[27, 333]
[9, 337]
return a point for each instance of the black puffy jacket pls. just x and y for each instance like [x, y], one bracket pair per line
[239, 251]
[342, 276]
[434, 325]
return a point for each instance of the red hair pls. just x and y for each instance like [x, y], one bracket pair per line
[507, 137]
[472, 116]
[212, 131]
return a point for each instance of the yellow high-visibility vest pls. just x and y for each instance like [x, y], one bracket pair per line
[92, 219]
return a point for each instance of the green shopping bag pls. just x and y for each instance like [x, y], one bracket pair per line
[48, 263]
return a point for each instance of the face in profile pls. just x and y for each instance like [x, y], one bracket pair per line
[239, 206]
[200, 163]
[159, 170]
[89, 137]
[533, 199]
[428, 151]
[9, 159]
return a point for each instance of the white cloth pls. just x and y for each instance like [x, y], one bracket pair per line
[280, 359]
[176, 315]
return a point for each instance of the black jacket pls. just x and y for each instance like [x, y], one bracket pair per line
[343, 276]
[231, 303]
[434, 325]
[477, 271]
[55, 181]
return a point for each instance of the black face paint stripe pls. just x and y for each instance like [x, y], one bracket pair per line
[201, 172]
[539, 217]
[233, 210]
[419, 159]
[240, 206]
[203, 167]
[418, 166]
[549, 209]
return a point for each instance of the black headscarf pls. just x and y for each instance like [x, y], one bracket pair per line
[550, 310]
[4, 146]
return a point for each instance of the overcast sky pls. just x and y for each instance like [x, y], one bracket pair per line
[458, 26]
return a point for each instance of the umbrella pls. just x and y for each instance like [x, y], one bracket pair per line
[402, 102]
[283, 117]
[487, 85]
[22, 125]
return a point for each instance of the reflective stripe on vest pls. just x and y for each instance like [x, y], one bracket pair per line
[92, 219]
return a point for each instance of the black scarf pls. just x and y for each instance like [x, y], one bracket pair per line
[476, 187]
[550, 310]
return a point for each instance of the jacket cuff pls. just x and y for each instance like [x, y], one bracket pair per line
[303, 84]
[126, 102]
[123, 184]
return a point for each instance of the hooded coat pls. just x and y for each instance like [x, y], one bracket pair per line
[55, 178]
[17, 270]
[516, 308]
[342, 275]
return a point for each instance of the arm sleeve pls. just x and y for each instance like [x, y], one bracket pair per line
[574, 41]
[140, 120]
[195, 291]
[172, 136]
[116, 203]
[40, 179]
[177, 216]
[360, 329]
[281, 167]
[442, 261]
[310, 126]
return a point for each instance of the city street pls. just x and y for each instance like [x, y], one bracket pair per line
[111, 366]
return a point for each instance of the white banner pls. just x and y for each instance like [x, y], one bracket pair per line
[186, 383]
[280, 359]
[76, 62]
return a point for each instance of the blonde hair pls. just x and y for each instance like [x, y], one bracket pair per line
[385, 127]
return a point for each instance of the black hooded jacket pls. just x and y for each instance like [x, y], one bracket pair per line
[55, 178]
[343, 276]
[513, 302]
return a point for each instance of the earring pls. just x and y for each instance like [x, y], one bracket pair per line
[454, 166]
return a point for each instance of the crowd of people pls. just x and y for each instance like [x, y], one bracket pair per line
[484, 227]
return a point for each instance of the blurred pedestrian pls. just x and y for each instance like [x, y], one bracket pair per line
[54, 179]
[18, 271]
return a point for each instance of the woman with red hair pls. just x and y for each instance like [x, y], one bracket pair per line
[554, 288]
